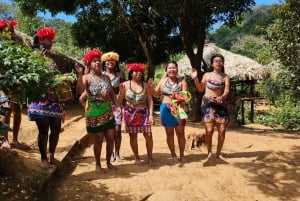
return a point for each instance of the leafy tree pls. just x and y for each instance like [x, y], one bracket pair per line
[254, 24]
[154, 22]
[284, 37]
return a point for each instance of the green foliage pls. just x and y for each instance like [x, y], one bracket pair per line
[284, 38]
[23, 72]
[247, 38]
[253, 47]
[287, 116]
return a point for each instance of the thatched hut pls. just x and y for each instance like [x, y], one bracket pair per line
[244, 73]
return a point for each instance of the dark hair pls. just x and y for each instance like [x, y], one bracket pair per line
[117, 68]
[171, 62]
[35, 40]
[130, 76]
[217, 55]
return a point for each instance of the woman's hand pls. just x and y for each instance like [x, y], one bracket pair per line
[78, 69]
[194, 73]
[151, 82]
[151, 119]
[219, 100]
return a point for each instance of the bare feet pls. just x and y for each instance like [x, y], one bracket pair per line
[181, 160]
[118, 158]
[111, 166]
[112, 158]
[208, 158]
[99, 170]
[52, 160]
[45, 165]
[220, 157]
[151, 162]
[15, 143]
[138, 162]
[174, 159]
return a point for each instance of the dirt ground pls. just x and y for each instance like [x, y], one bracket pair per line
[261, 164]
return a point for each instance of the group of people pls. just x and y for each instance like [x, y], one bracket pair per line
[110, 99]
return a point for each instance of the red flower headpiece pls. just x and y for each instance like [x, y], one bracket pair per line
[4, 23]
[46, 32]
[88, 57]
[136, 67]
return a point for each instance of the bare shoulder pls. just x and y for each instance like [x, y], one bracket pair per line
[205, 76]
[120, 74]
[163, 80]
[125, 84]
[86, 77]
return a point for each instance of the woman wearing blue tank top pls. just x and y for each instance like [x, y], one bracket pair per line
[168, 86]
[216, 86]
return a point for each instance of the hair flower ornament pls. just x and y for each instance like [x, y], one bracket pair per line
[110, 56]
[46, 32]
[136, 67]
[6, 23]
[89, 55]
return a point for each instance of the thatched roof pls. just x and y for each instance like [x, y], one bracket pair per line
[238, 67]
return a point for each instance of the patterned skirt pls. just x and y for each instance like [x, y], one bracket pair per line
[167, 118]
[213, 112]
[44, 108]
[99, 116]
[136, 120]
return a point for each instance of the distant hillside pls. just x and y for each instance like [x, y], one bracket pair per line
[246, 38]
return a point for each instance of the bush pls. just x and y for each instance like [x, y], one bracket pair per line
[287, 116]
[23, 72]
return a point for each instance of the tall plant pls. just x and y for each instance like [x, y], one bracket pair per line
[23, 72]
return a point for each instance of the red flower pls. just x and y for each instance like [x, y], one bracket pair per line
[46, 32]
[13, 23]
[136, 67]
[88, 57]
[3, 23]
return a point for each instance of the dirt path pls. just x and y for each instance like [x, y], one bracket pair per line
[262, 165]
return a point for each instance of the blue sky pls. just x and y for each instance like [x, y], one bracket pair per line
[70, 18]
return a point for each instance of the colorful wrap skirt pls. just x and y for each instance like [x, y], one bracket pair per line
[136, 120]
[99, 116]
[213, 112]
[44, 108]
[167, 118]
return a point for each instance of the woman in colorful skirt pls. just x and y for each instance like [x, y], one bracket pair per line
[47, 113]
[97, 100]
[110, 67]
[168, 88]
[216, 85]
[138, 110]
